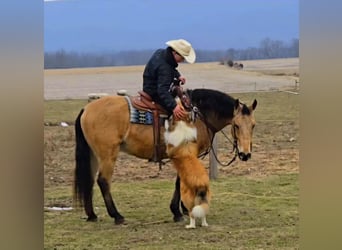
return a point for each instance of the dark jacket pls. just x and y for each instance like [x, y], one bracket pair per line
[159, 73]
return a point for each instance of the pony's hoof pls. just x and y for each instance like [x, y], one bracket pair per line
[92, 218]
[119, 221]
[190, 227]
[178, 218]
[204, 224]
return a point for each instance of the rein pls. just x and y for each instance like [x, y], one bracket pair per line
[235, 149]
[211, 128]
[187, 104]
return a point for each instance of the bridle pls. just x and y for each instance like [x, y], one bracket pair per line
[212, 129]
[176, 89]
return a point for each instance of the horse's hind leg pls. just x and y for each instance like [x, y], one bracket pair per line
[176, 199]
[104, 180]
[88, 196]
[88, 205]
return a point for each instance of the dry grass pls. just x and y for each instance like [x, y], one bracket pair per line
[245, 214]
[280, 74]
[255, 203]
[275, 145]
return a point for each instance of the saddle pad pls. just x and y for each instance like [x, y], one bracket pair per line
[139, 116]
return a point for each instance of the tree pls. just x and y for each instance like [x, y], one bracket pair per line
[268, 49]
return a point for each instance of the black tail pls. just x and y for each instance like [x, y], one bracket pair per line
[83, 179]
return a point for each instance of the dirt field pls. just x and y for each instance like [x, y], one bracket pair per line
[257, 75]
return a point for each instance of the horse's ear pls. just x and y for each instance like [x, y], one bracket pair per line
[254, 104]
[237, 104]
[236, 107]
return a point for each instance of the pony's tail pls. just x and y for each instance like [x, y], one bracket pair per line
[201, 208]
[83, 179]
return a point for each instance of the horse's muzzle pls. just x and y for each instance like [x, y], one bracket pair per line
[244, 157]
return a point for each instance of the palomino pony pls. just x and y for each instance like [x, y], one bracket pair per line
[103, 129]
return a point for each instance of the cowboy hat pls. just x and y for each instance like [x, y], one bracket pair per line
[183, 48]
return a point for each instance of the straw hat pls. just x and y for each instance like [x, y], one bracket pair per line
[184, 48]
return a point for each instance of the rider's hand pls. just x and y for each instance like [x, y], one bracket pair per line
[182, 79]
[179, 113]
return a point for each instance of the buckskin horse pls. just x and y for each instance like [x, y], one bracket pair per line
[103, 128]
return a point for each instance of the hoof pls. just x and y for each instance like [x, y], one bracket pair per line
[178, 218]
[119, 221]
[190, 227]
[92, 218]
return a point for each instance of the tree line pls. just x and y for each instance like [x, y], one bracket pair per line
[267, 49]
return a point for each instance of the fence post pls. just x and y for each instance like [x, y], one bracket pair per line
[212, 161]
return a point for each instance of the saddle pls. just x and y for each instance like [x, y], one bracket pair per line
[143, 101]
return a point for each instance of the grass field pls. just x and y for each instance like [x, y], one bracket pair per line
[245, 214]
[254, 206]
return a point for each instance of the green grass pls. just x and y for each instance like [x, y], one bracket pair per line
[245, 214]
[273, 106]
[57, 111]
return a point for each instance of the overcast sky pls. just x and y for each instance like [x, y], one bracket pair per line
[105, 25]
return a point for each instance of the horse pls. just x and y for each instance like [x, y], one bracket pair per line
[103, 129]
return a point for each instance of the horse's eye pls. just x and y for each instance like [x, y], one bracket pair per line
[236, 126]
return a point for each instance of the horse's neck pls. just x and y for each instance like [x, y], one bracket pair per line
[224, 123]
[206, 130]
[204, 136]
[215, 124]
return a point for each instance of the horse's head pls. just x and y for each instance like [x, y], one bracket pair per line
[242, 128]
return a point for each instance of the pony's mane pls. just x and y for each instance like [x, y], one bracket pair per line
[212, 101]
[245, 110]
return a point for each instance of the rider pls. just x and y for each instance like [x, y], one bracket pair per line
[160, 72]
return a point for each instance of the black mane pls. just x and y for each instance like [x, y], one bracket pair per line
[245, 110]
[210, 101]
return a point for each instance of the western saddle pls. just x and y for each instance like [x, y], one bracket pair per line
[144, 102]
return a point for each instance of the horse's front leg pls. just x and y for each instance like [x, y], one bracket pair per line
[176, 200]
[104, 180]
[184, 209]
